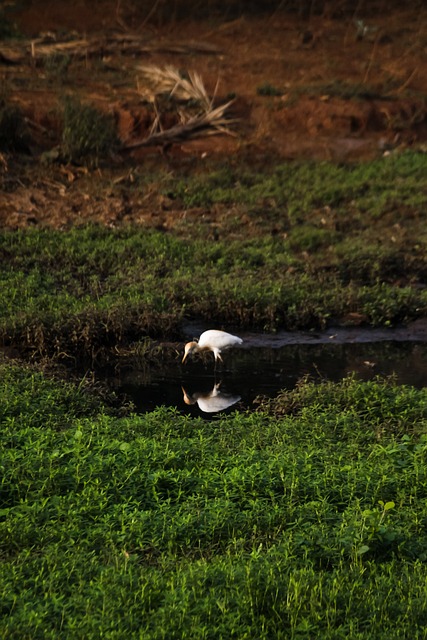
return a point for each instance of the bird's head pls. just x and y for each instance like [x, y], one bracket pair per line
[190, 348]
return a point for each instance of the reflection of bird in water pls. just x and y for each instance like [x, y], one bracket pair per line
[211, 401]
[212, 340]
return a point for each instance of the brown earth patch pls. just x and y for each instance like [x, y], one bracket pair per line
[304, 88]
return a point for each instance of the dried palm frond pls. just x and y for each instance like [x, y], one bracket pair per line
[156, 81]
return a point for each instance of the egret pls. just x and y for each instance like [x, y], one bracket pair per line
[212, 340]
[211, 401]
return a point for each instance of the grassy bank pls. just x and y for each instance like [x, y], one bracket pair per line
[297, 246]
[305, 519]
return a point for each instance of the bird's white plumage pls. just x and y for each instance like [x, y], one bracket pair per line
[211, 401]
[212, 340]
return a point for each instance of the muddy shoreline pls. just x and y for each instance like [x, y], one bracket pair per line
[414, 332]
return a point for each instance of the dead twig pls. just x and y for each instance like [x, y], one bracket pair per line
[407, 81]
[149, 14]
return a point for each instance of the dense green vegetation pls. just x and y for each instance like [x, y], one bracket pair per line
[306, 519]
[296, 246]
[303, 519]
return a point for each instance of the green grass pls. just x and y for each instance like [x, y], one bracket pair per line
[304, 519]
[91, 288]
[299, 246]
[375, 187]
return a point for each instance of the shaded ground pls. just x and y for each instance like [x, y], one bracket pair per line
[304, 88]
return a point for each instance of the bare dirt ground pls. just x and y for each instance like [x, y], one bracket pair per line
[335, 87]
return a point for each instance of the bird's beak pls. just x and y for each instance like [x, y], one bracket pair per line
[187, 398]
[184, 358]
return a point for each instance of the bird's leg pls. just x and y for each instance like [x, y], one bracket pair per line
[217, 357]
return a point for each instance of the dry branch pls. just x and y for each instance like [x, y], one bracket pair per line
[211, 122]
[17, 52]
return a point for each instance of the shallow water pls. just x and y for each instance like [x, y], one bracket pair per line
[268, 363]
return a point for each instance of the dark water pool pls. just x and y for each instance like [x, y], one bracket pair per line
[266, 364]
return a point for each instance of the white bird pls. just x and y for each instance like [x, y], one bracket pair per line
[212, 340]
[211, 401]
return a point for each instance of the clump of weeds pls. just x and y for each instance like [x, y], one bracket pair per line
[56, 66]
[88, 135]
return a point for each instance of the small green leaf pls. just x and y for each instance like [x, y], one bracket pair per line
[389, 505]
[363, 549]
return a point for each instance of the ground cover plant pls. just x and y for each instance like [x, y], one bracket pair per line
[304, 519]
[297, 246]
